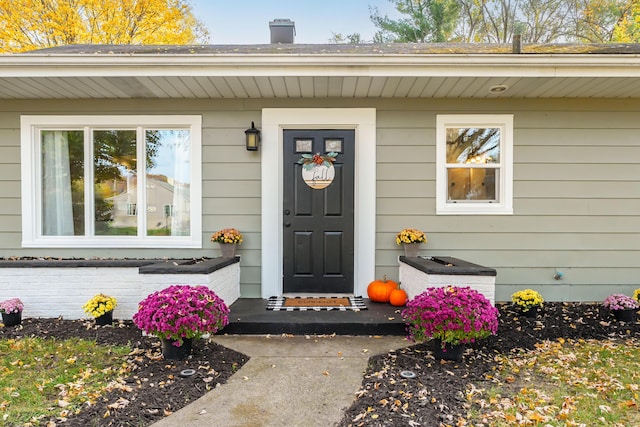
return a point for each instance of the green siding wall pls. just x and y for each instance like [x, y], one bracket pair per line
[576, 187]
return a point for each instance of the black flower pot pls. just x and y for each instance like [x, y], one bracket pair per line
[105, 319]
[449, 352]
[12, 319]
[626, 315]
[171, 352]
[532, 312]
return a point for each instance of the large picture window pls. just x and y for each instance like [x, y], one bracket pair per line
[474, 164]
[111, 181]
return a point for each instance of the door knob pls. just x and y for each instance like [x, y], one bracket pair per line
[287, 224]
[287, 211]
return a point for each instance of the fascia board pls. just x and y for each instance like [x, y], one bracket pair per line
[321, 65]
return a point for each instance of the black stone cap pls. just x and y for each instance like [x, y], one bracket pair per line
[188, 266]
[75, 262]
[146, 266]
[447, 265]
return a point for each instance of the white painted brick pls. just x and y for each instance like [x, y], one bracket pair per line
[53, 292]
[414, 282]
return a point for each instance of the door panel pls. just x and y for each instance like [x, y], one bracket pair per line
[318, 223]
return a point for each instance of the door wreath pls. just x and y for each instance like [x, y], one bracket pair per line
[317, 169]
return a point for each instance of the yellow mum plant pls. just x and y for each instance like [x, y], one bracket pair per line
[411, 235]
[99, 305]
[636, 295]
[227, 235]
[527, 299]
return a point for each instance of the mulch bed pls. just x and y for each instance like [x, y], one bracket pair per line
[154, 389]
[434, 397]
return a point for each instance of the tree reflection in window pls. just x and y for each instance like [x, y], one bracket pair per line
[473, 162]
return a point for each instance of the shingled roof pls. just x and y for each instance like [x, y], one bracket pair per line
[343, 49]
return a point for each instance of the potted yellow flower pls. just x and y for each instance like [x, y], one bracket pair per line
[411, 239]
[528, 301]
[228, 239]
[101, 308]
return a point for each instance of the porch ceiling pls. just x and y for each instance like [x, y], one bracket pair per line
[303, 72]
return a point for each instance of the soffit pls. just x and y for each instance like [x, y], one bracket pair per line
[310, 71]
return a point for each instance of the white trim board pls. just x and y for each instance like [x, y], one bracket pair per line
[363, 122]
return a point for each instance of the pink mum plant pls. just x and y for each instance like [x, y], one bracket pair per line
[11, 306]
[620, 302]
[182, 311]
[455, 315]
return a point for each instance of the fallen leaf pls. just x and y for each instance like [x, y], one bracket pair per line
[359, 417]
[118, 404]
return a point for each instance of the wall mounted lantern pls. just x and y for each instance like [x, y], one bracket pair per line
[252, 138]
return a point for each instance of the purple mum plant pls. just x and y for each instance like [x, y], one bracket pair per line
[455, 315]
[182, 311]
[11, 306]
[619, 302]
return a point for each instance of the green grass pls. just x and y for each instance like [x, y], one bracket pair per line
[41, 379]
[573, 383]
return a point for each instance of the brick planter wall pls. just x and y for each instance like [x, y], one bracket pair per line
[418, 274]
[52, 288]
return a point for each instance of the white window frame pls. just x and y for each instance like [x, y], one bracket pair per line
[30, 127]
[504, 205]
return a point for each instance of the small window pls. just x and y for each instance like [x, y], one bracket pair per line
[85, 178]
[474, 164]
[132, 209]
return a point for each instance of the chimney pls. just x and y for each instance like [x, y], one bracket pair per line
[516, 44]
[282, 30]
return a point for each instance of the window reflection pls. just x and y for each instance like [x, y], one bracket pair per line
[472, 184]
[168, 182]
[62, 183]
[116, 182]
[473, 145]
[478, 150]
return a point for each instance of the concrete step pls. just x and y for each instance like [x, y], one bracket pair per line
[249, 316]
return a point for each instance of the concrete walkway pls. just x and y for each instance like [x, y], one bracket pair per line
[289, 381]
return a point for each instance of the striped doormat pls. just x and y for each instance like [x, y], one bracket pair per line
[315, 303]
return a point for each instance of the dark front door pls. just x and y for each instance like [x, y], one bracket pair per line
[318, 222]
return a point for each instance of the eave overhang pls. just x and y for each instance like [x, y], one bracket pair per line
[271, 74]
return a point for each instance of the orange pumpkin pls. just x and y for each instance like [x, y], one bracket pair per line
[398, 297]
[379, 290]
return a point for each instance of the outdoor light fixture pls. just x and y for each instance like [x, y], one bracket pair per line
[498, 88]
[253, 138]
